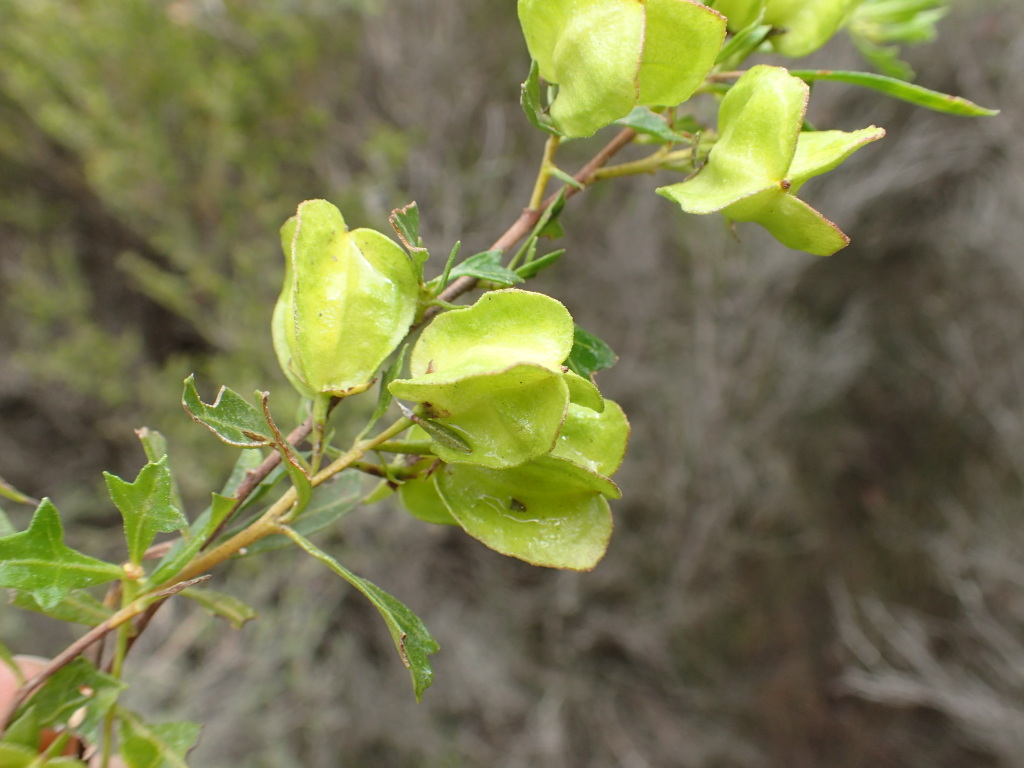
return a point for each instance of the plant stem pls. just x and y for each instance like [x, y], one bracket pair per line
[269, 521]
[528, 218]
[544, 173]
[129, 589]
[95, 634]
[650, 164]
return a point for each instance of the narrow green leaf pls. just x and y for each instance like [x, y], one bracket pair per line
[898, 89]
[232, 418]
[410, 635]
[643, 120]
[193, 539]
[442, 281]
[38, 561]
[568, 178]
[440, 433]
[384, 395]
[77, 685]
[163, 745]
[77, 606]
[486, 266]
[247, 462]
[589, 354]
[531, 268]
[146, 505]
[222, 605]
[529, 99]
[8, 491]
[331, 501]
[742, 44]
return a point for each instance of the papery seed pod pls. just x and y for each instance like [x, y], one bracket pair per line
[609, 56]
[349, 298]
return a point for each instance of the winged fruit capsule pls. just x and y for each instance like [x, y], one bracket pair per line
[609, 56]
[803, 25]
[551, 511]
[349, 298]
[492, 375]
[762, 159]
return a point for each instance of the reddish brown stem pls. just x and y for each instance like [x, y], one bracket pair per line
[528, 218]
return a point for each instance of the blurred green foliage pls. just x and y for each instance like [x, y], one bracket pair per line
[149, 152]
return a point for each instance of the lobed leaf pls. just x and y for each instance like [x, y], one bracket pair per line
[232, 418]
[37, 561]
[146, 505]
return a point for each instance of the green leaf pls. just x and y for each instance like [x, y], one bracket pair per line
[164, 745]
[898, 89]
[192, 541]
[247, 461]
[74, 686]
[567, 178]
[589, 354]
[331, 501]
[77, 606]
[146, 505]
[442, 281]
[222, 605]
[154, 444]
[6, 528]
[410, 635]
[529, 100]
[38, 561]
[532, 267]
[18, 756]
[443, 435]
[486, 266]
[384, 395]
[406, 223]
[643, 120]
[232, 418]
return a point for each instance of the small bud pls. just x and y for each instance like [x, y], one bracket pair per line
[133, 571]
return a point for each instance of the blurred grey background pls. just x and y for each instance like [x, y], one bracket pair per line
[819, 556]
